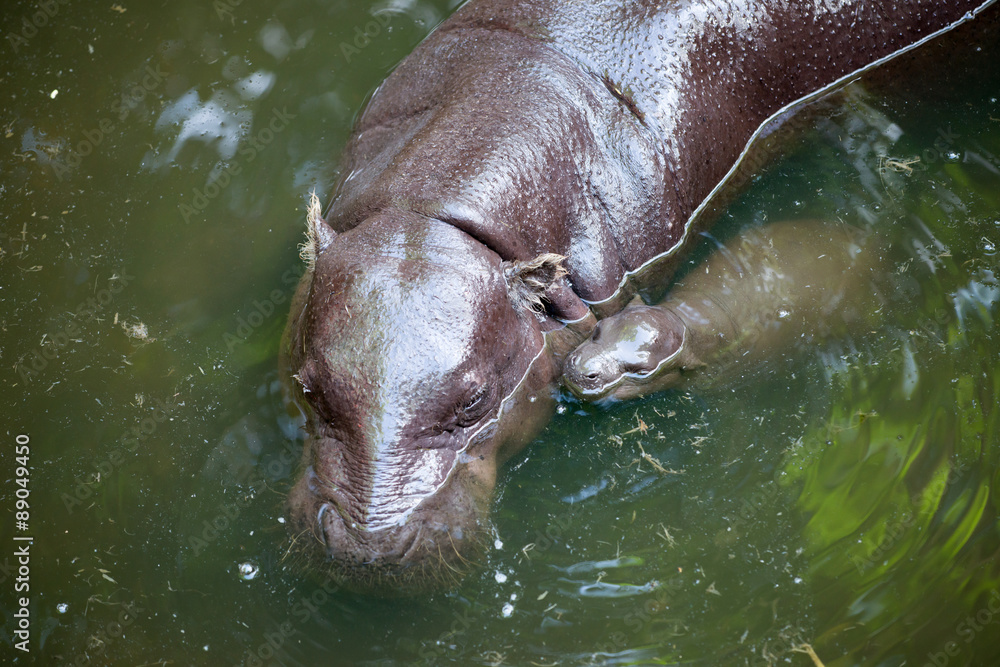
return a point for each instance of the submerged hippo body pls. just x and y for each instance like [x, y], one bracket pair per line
[753, 298]
[518, 143]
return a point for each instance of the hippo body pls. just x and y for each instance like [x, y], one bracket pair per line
[755, 297]
[503, 186]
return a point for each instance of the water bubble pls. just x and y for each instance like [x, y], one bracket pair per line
[989, 247]
[62, 607]
[952, 156]
[507, 610]
[783, 313]
[498, 544]
[248, 571]
[500, 577]
[561, 409]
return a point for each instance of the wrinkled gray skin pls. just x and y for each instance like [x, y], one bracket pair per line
[751, 299]
[424, 343]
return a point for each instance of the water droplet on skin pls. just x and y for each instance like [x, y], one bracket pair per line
[248, 571]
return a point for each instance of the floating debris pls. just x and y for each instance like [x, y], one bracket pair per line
[248, 571]
[138, 331]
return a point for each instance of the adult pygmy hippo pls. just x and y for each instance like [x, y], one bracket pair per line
[507, 178]
[751, 299]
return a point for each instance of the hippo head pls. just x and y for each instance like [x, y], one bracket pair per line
[419, 359]
[635, 352]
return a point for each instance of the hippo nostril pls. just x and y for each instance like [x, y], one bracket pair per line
[323, 509]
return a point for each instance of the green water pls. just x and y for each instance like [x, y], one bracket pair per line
[155, 169]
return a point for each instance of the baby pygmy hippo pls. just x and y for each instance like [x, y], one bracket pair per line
[755, 296]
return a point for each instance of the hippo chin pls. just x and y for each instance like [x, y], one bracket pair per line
[518, 143]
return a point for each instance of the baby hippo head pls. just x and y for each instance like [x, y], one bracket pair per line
[635, 352]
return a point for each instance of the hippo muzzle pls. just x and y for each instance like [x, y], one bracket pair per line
[427, 543]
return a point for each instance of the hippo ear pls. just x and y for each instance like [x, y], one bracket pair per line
[319, 234]
[528, 282]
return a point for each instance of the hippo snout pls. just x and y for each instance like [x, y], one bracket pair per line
[432, 547]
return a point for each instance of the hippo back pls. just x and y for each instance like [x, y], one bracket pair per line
[595, 129]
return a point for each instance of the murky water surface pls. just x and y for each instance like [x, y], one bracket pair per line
[156, 162]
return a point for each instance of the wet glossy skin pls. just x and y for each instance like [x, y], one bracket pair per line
[583, 129]
[641, 350]
[759, 295]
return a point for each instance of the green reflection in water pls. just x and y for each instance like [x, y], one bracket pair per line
[841, 497]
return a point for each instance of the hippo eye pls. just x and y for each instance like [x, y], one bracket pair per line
[475, 406]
